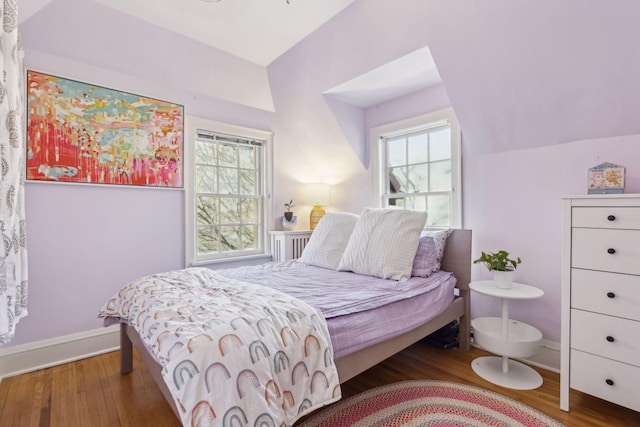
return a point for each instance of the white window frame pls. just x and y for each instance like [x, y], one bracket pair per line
[192, 125]
[413, 124]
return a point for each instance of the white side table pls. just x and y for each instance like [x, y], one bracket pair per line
[507, 338]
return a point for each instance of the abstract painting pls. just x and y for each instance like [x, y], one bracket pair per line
[83, 133]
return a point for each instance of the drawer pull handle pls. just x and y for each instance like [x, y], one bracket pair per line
[609, 381]
[611, 217]
[611, 295]
[610, 338]
[611, 251]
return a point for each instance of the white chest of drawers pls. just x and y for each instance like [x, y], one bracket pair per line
[600, 349]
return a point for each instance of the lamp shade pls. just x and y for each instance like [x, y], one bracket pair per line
[318, 194]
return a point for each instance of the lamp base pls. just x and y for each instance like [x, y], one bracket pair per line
[316, 215]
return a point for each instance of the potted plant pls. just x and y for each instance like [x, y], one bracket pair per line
[289, 220]
[501, 266]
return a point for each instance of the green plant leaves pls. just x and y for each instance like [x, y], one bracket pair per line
[498, 261]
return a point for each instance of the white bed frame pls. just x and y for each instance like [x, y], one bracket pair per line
[457, 259]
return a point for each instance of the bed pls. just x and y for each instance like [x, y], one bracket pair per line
[456, 259]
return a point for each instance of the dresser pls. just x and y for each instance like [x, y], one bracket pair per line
[600, 338]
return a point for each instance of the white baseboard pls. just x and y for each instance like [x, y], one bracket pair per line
[36, 355]
[547, 358]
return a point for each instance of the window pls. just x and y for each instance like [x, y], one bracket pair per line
[227, 188]
[416, 166]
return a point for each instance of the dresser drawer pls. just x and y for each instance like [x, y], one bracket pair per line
[606, 336]
[606, 217]
[606, 293]
[590, 373]
[590, 249]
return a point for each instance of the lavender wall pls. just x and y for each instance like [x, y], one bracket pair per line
[512, 201]
[412, 105]
[319, 139]
[86, 241]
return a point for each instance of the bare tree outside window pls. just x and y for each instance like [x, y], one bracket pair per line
[228, 194]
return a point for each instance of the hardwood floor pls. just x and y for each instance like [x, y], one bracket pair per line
[92, 392]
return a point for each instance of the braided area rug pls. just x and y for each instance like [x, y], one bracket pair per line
[428, 403]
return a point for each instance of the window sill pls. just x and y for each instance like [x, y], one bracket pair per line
[233, 262]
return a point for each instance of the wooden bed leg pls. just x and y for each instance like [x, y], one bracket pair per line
[464, 334]
[126, 351]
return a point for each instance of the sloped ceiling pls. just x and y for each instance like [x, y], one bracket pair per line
[522, 74]
[407, 74]
[519, 73]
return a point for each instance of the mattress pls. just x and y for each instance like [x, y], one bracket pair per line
[360, 310]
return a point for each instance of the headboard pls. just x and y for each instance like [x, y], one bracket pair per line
[457, 257]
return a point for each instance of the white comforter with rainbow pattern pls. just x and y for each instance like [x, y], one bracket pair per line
[233, 353]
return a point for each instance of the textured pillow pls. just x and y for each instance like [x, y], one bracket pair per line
[384, 243]
[329, 240]
[430, 251]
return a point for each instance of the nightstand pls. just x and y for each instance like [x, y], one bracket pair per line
[507, 338]
[287, 245]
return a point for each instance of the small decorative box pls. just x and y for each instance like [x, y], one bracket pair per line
[606, 178]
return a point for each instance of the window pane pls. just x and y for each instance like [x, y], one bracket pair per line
[396, 152]
[206, 152]
[229, 210]
[417, 168]
[250, 237]
[228, 155]
[247, 157]
[206, 179]
[249, 211]
[440, 144]
[228, 181]
[207, 239]
[398, 180]
[418, 148]
[417, 178]
[415, 203]
[248, 182]
[230, 238]
[440, 176]
[206, 210]
[227, 203]
[438, 211]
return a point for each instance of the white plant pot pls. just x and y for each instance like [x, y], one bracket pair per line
[503, 279]
[289, 225]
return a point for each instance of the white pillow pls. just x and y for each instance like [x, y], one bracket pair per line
[384, 243]
[329, 240]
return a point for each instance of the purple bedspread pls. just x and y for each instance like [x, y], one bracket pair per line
[335, 293]
[392, 308]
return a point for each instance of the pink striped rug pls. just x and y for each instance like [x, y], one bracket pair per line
[428, 403]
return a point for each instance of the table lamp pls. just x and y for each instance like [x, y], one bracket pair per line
[317, 195]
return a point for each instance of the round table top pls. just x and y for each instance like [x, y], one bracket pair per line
[516, 291]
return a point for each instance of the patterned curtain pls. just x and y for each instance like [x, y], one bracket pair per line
[13, 249]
